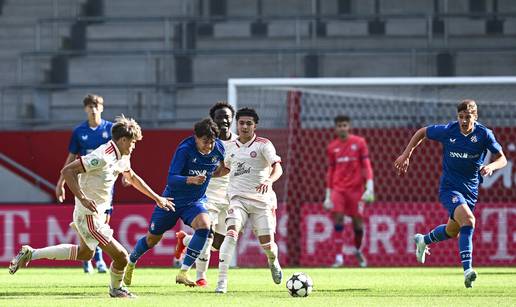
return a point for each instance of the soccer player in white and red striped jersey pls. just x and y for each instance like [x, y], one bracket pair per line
[254, 166]
[349, 171]
[91, 179]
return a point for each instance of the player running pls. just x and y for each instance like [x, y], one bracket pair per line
[253, 166]
[91, 179]
[195, 161]
[465, 144]
[217, 204]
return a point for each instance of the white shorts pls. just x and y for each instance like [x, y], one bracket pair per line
[93, 229]
[218, 214]
[262, 218]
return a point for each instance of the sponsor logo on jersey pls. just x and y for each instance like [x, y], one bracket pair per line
[452, 140]
[105, 134]
[253, 154]
[196, 172]
[84, 137]
[463, 155]
[242, 169]
[474, 139]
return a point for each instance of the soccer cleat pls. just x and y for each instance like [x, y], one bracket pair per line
[421, 248]
[469, 277]
[121, 292]
[180, 246]
[277, 274]
[128, 276]
[22, 259]
[101, 267]
[362, 262]
[339, 261]
[182, 278]
[202, 283]
[87, 267]
[222, 286]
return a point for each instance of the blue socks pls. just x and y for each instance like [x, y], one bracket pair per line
[98, 255]
[437, 235]
[195, 247]
[466, 246]
[140, 249]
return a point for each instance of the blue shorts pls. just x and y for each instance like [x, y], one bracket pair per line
[163, 220]
[451, 199]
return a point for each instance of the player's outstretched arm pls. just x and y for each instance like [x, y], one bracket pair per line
[138, 183]
[60, 189]
[499, 161]
[70, 174]
[402, 162]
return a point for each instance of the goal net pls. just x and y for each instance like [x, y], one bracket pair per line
[297, 116]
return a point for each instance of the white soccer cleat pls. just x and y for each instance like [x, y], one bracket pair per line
[222, 286]
[339, 261]
[421, 248]
[128, 276]
[362, 262]
[469, 277]
[276, 272]
[121, 292]
[22, 259]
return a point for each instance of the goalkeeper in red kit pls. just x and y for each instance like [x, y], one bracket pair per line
[349, 183]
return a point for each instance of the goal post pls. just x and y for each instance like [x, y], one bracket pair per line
[297, 114]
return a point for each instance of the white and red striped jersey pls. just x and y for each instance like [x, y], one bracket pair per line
[217, 191]
[251, 164]
[101, 169]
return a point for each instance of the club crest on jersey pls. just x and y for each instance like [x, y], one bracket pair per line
[354, 147]
[454, 199]
[253, 154]
[94, 162]
[214, 160]
[84, 137]
[474, 139]
[105, 134]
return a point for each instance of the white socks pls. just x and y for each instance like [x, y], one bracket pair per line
[203, 261]
[271, 250]
[227, 249]
[116, 277]
[56, 252]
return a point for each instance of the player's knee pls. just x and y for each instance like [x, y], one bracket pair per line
[338, 227]
[121, 258]
[469, 221]
[85, 254]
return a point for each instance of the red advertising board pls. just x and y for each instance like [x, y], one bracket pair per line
[388, 238]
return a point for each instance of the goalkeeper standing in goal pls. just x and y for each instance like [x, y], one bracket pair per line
[465, 144]
[349, 170]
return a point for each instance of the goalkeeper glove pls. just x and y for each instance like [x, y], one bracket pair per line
[368, 195]
[328, 204]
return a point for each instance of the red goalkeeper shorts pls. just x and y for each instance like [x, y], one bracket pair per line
[348, 202]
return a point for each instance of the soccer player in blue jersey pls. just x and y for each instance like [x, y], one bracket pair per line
[85, 138]
[195, 161]
[465, 144]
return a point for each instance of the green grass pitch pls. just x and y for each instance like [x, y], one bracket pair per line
[254, 287]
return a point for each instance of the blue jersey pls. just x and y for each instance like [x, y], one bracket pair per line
[188, 161]
[463, 155]
[84, 139]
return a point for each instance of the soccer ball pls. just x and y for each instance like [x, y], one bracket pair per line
[300, 285]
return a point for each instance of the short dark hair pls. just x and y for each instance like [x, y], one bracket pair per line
[206, 128]
[248, 112]
[342, 118]
[92, 99]
[220, 105]
[467, 105]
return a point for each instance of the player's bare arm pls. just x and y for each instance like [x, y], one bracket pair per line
[402, 162]
[499, 161]
[197, 180]
[276, 173]
[70, 174]
[138, 183]
[221, 171]
[60, 189]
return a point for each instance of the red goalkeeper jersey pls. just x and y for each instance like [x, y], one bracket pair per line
[348, 164]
